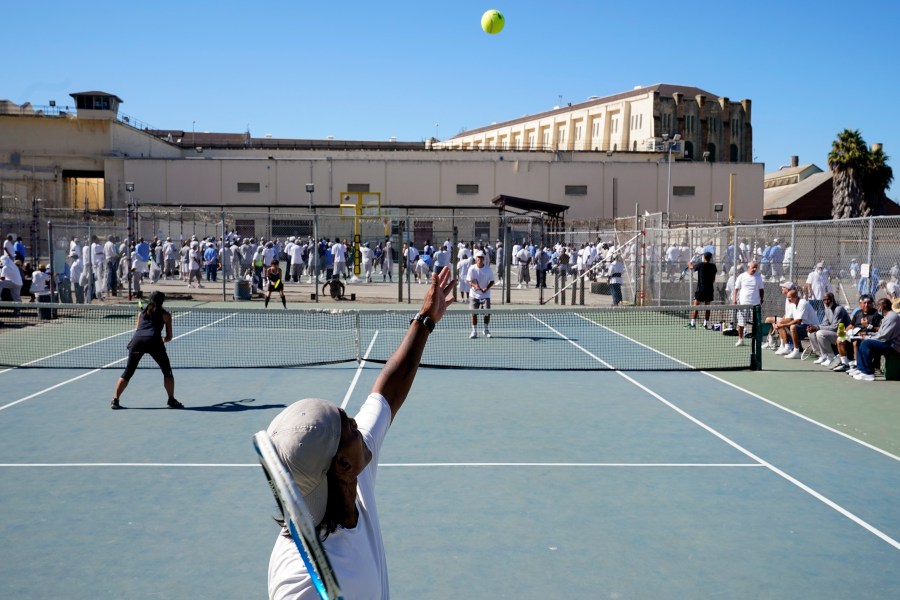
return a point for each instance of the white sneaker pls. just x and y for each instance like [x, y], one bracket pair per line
[819, 360]
[487, 332]
[473, 335]
[519, 287]
[852, 372]
[782, 351]
[852, 363]
[864, 377]
[793, 355]
[740, 342]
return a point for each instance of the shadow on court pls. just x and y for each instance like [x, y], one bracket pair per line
[230, 406]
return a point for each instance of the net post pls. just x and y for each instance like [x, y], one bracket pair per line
[581, 291]
[756, 359]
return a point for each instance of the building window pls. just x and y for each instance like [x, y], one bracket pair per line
[546, 139]
[466, 188]
[531, 141]
[578, 133]
[248, 187]
[246, 228]
[292, 227]
[482, 231]
[576, 190]
[682, 190]
[357, 187]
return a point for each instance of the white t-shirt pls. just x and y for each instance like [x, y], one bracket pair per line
[40, 281]
[804, 311]
[819, 284]
[748, 287]
[357, 555]
[339, 253]
[462, 273]
[296, 254]
[483, 276]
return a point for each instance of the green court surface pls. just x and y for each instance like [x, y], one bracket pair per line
[780, 483]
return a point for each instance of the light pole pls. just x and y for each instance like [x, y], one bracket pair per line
[310, 188]
[193, 133]
[129, 187]
[669, 144]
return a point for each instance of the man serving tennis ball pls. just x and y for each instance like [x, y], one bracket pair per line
[333, 457]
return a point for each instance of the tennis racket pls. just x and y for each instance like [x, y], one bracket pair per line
[297, 518]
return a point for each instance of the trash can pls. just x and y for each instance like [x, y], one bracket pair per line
[242, 290]
[64, 289]
[46, 314]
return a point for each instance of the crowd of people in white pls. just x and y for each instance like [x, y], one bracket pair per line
[99, 268]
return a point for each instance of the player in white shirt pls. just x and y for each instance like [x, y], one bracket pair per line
[367, 258]
[334, 460]
[481, 278]
[748, 289]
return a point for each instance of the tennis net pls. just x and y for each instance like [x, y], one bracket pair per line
[626, 339]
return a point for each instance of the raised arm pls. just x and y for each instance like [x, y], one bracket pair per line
[398, 374]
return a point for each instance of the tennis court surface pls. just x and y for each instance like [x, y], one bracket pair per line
[648, 478]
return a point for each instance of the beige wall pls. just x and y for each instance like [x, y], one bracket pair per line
[164, 174]
[433, 183]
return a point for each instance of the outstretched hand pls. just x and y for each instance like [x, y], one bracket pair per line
[439, 295]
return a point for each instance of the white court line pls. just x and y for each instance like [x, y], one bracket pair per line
[395, 465]
[37, 360]
[754, 394]
[833, 505]
[53, 387]
[358, 372]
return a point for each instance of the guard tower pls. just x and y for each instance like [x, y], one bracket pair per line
[96, 105]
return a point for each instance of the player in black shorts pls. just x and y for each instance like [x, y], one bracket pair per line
[276, 282]
[148, 339]
[706, 281]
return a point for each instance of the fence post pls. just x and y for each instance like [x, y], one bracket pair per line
[869, 257]
[793, 250]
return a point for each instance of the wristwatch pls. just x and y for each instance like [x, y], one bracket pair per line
[424, 320]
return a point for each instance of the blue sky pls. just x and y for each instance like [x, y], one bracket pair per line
[372, 70]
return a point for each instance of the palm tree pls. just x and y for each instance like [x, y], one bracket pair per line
[878, 179]
[860, 176]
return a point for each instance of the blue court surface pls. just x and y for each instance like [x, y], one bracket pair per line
[492, 484]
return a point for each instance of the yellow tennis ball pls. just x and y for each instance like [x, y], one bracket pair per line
[492, 21]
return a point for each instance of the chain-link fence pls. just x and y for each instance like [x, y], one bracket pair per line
[859, 255]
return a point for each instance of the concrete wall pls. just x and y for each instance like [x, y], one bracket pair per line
[434, 183]
[165, 174]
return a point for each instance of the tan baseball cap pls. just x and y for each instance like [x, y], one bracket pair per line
[306, 436]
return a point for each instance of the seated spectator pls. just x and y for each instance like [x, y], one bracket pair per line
[780, 328]
[875, 345]
[802, 315]
[823, 337]
[866, 318]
